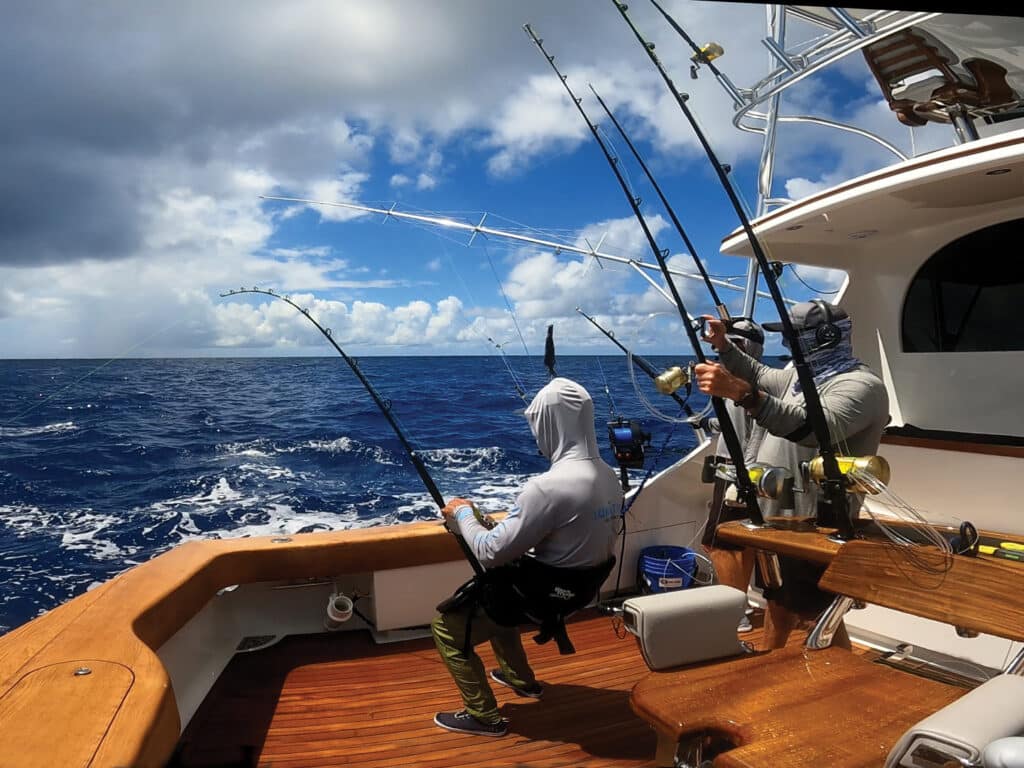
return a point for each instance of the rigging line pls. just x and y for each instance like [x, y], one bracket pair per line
[516, 381]
[94, 371]
[744, 485]
[385, 409]
[834, 485]
[618, 159]
[508, 304]
[723, 311]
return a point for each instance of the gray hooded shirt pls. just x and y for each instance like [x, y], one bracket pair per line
[568, 516]
[856, 407]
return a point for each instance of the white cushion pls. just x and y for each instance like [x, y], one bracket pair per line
[686, 626]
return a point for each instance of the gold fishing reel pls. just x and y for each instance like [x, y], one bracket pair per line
[708, 52]
[851, 467]
[673, 379]
[769, 482]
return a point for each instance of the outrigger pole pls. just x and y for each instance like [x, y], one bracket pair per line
[833, 485]
[745, 487]
[480, 229]
[638, 361]
[385, 408]
[723, 311]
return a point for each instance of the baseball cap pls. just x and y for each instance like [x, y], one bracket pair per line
[810, 314]
[745, 329]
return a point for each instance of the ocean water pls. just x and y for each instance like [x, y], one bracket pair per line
[105, 464]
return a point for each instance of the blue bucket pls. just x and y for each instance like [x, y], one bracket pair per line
[665, 569]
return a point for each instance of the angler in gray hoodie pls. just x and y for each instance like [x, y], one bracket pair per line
[565, 520]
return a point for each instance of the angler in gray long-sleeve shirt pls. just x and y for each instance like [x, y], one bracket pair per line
[856, 407]
[566, 518]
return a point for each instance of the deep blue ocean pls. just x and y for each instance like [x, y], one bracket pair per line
[105, 464]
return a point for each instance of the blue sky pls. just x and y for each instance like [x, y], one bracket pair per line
[140, 139]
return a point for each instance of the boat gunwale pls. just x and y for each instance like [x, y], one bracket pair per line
[128, 618]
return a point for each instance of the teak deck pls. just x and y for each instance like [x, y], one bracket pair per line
[336, 700]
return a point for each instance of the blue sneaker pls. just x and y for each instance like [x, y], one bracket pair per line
[463, 722]
[534, 691]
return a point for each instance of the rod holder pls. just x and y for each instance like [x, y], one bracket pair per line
[339, 610]
[770, 568]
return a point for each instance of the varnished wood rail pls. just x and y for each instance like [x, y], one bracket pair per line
[122, 711]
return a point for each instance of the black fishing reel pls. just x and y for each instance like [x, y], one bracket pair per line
[627, 440]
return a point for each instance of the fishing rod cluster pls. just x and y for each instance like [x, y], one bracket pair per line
[746, 490]
[723, 311]
[835, 507]
[385, 407]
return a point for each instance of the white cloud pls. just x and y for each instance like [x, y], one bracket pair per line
[137, 181]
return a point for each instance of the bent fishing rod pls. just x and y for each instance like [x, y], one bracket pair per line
[638, 361]
[833, 486]
[723, 312]
[745, 488]
[385, 408]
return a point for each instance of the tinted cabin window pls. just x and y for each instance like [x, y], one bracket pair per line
[969, 295]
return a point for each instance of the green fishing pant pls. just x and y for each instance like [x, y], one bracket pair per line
[467, 669]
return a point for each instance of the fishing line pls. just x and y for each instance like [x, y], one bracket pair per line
[638, 390]
[618, 159]
[792, 268]
[385, 408]
[508, 304]
[834, 490]
[903, 549]
[93, 372]
[639, 362]
[612, 410]
[745, 487]
[516, 381]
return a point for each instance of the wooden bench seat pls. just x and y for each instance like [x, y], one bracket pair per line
[780, 707]
[831, 707]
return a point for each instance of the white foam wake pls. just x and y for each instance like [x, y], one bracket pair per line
[49, 429]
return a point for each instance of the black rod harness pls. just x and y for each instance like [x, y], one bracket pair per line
[834, 488]
[638, 361]
[723, 311]
[745, 488]
[385, 408]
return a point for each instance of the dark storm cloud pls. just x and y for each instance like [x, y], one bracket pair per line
[106, 103]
